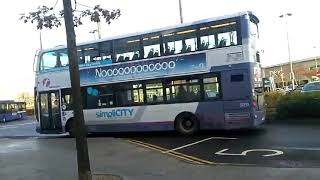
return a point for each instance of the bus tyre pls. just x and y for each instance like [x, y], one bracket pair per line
[186, 124]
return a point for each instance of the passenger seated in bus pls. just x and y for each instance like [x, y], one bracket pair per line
[156, 54]
[173, 50]
[207, 45]
[135, 56]
[202, 45]
[189, 48]
[150, 54]
[81, 60]
[184, 48]
[167, 51]
[127, 58]
[154, 98]
[120, 58]
[181, 94]
[93, 59]
[222, 42]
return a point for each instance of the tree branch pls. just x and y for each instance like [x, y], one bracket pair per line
[45, 17]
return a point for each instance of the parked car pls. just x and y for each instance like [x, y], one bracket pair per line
[297, 89]
[311, 87]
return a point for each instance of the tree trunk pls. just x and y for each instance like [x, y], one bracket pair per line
[84, 171]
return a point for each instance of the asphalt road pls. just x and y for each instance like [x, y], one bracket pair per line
[288, 145]
[253, 154]
[22, 129]
[272, 145]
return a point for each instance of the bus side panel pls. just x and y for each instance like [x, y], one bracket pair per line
[131, 127]
[236, 90]
[2, 115]
[136, 118]
[153, 117]
[237, 114]
[210, 115]
[236, 84]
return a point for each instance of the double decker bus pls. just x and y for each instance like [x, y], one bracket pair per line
[189, 77]
[11, 110]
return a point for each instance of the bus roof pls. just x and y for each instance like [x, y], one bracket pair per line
[10, 101]
[158, 30]
[7, 101]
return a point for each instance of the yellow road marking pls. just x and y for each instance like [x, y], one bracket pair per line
[183, 156]
[172, 153]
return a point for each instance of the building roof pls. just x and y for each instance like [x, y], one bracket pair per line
[294, 62]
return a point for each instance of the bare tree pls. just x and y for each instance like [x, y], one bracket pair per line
[47, 17]
[27, 98]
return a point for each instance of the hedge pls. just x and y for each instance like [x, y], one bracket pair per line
[271, 101]
[299, 105]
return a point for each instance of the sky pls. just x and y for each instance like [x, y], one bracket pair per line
[20, 41]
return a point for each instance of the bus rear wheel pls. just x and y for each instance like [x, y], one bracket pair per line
[186, 124]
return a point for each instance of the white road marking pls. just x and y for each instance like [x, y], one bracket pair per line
[244, 153]
[197, 142]
[15, 126]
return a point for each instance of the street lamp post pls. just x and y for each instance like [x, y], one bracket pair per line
[287, 30]
[315, 59]
[40, 39]
[180, 9]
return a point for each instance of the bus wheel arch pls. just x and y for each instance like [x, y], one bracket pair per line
[186, 123]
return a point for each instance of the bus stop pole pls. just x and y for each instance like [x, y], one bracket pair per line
[84, 171]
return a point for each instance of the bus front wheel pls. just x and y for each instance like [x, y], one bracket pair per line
[186, 123]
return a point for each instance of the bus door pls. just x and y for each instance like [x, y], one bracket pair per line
[50, 114]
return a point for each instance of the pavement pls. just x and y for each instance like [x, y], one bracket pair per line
[140, 156]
